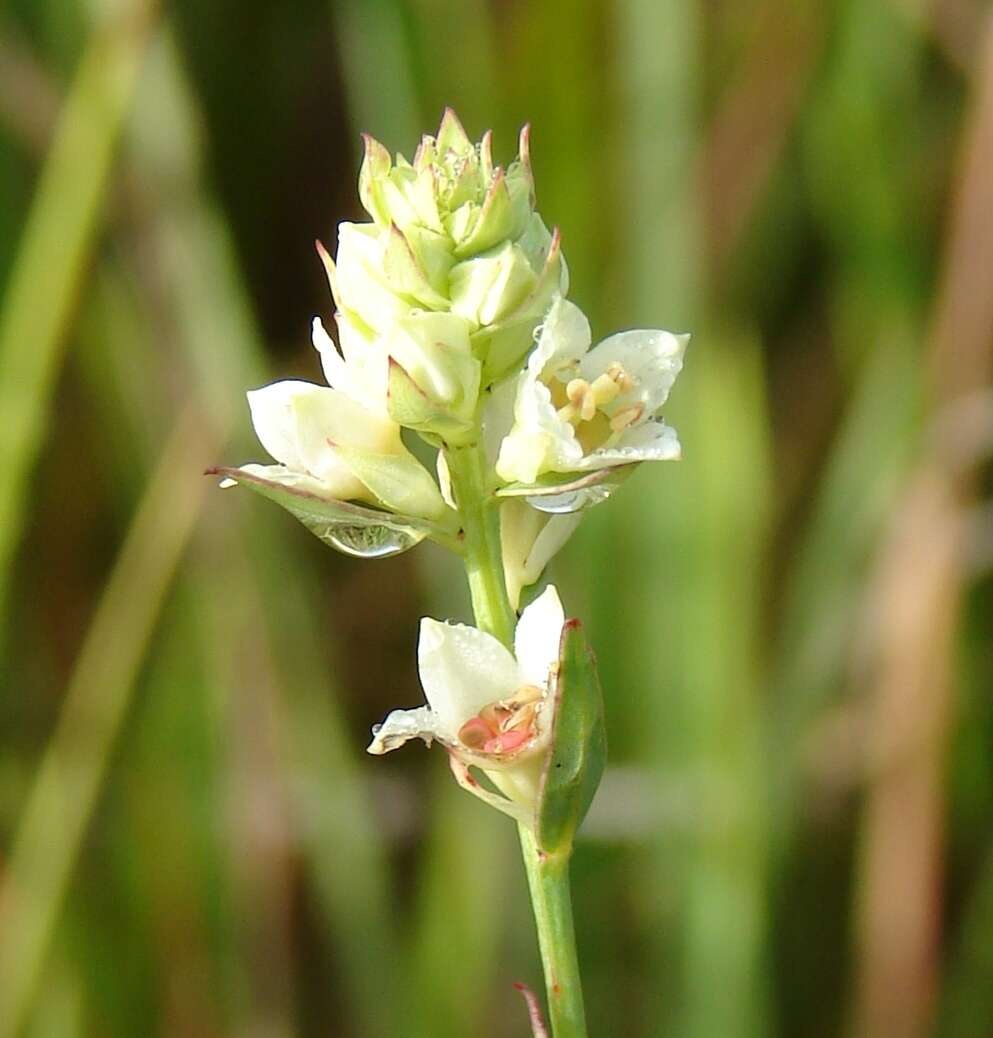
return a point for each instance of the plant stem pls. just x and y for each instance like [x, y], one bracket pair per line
[548, 875]
[483, 557]
[548, 881]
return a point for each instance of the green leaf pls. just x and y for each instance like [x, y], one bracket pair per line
[349, 528]
[575, 764]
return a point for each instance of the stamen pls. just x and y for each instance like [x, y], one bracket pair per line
[623, 418]
[506, 725]
[616, 373]
[580, 394]
[526, 694]
[475, 733]
[605, 389]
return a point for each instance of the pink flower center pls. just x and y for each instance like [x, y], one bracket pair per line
[506, 725]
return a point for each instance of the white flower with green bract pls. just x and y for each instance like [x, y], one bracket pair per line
[328, 445]
[489, 707]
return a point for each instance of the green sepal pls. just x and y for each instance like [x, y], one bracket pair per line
[451, 135]
[375, 169]
[574, 765]
[399, 481]
[347, 527]
[408, 405]
[404, 273]
[503, 344]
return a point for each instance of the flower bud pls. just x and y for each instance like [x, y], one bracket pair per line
[451, 234]
[433, 377]
[529, 539]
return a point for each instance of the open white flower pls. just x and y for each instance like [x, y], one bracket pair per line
[488, 707]
[580, 410]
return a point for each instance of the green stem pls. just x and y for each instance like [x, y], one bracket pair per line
[548, 875]
[548, 881]
[482, 555]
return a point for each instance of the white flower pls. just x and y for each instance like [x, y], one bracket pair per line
[488, 707]
[581, 410]
[331, 446]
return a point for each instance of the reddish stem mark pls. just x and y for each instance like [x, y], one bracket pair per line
[538, 1027]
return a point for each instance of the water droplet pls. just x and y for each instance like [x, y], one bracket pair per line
[368, 541]
[572, 500]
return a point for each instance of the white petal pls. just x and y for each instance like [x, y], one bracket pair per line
[401, 726]
[361, 372]
[540, 441]
[462, 670]
[653, 441]
[445, 480]
[498, 416]
[652, 357]
[353, 337]
[362, 283]
[519, 812]
[552, 538]
[326, 416]
[565, 336]
[536, 641]
[275, 422]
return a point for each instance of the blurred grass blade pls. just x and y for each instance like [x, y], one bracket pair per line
[54, 247]
[967, 998]
[70, 776]
[918, 597]
[375, 52]
[699, 636]
[468, 870]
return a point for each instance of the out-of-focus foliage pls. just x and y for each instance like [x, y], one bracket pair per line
[795, 832]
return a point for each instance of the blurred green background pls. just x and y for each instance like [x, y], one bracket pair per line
[795, 836]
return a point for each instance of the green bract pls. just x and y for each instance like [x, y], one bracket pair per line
[578, 754]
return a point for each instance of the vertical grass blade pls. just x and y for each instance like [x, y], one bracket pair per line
[69, 779]
[55, 244]
[221, 346]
